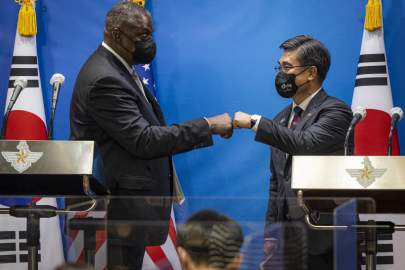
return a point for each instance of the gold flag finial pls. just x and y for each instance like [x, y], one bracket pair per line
[139, 2]
[27, 19]
[373, 20]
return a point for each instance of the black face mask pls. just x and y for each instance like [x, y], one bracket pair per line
[145, 51]
[285, 84]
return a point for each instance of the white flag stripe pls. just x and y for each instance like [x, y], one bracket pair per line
[76, 247]
[24, 66]
[373, 97]
[101, 257]
[27, 77]
[372, 64]
[148, 263]
[169, 248]
[376, 75]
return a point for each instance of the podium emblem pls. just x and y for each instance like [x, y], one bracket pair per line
[23, 159]
[366, 176]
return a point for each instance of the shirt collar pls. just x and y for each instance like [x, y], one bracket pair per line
[304, 104]
[111, 50]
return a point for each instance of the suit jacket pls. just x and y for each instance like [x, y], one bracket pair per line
[321, 131]
[135, 144]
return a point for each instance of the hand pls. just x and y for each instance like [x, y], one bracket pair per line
[270, 246]
[221, 124]
[242, 120]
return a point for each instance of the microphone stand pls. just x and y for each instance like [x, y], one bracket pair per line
[3, 128]
[390, 139]
[346, 144]
[51, 121]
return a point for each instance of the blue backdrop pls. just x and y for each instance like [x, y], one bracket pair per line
[213, 57]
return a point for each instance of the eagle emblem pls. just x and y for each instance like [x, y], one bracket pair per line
[23, 159]
[368, 174]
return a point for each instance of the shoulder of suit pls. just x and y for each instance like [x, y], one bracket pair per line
[338, 102]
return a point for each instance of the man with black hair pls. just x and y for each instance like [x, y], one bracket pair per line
[314, 124]
[209, 241]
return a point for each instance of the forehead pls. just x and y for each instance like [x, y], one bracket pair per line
[141, 24]
[290, 57]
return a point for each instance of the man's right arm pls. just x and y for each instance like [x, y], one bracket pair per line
[116, 111]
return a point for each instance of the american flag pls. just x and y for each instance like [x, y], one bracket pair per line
[159, 257]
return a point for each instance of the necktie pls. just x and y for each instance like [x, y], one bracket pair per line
[297, 116]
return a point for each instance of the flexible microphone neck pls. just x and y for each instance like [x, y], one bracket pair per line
[358, 114]
[396, 116]
[56, 81]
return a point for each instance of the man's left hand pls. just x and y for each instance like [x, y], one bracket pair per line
[241, 120]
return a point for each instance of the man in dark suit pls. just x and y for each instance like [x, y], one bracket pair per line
[314, 124]
[111, 106]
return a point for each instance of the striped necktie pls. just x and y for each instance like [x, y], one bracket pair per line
[297, 116]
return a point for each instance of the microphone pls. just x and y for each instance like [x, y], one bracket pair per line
[56, 81]
[19, 84]
[396, 116]
[358, 114]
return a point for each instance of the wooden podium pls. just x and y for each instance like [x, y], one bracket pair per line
[378, 180]
[46, 168]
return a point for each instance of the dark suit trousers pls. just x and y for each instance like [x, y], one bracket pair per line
[121, 257]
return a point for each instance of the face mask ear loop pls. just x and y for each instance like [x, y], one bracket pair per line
[299, 86]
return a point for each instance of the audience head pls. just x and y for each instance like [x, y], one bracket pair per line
[209, 240]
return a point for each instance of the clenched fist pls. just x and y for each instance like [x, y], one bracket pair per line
[221, 125]
[242, 120]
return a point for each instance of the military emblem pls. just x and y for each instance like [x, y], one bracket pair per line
[368, 174]
[23, 159]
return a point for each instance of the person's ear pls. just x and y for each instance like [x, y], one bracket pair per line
[313, 73]
[115, 34]
[185, 259]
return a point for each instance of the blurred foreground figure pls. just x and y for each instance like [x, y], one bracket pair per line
[210, 241]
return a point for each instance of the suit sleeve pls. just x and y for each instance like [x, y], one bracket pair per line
[327, 133]
[272, 212]
[117, 112]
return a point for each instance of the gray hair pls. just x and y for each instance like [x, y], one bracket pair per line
[123, 13]
[310, 52]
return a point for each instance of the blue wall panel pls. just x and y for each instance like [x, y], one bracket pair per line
[213, 56]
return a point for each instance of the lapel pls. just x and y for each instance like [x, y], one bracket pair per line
[152, 105]
[311, 109]
[155, 105]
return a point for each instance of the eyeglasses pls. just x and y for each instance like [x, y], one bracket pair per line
[279, 68]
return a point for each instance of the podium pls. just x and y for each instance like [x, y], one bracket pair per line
[340, 178]
[46, 168]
